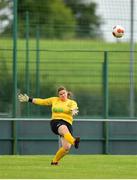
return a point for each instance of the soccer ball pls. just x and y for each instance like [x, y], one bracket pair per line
[118, 31]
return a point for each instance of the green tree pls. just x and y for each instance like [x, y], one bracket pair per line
[88, 23]
[54, 18]
[6, 16]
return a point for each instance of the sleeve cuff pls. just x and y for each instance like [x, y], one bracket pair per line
[30, 99]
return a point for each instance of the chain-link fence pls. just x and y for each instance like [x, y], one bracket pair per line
[52, 51]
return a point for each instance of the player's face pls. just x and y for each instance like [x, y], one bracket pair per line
[63, 95]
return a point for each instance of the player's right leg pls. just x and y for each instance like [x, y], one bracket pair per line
[64, 132]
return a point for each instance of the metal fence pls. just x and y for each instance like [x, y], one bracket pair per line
[102, 76]
[100, 81]
[98, 136]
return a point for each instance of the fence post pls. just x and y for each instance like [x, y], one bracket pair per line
[37, 61]
[37, 66]
[106, 103]
[14, 123]
[132, 85]
[27, 61]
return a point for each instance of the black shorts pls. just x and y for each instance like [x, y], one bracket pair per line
[55, 124]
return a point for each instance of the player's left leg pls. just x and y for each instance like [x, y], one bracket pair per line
[64, 149]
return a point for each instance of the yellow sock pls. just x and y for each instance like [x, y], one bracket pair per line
[60, 154]
[69, 138]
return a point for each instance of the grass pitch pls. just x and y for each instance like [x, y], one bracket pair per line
[71, 167]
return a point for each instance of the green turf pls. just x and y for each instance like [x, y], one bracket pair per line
[71, 167]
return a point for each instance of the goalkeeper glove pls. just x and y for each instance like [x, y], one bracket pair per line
[75, 112]
[23, 98]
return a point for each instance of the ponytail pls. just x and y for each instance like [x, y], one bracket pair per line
[70, 94]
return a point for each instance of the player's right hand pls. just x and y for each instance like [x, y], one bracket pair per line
[23, 97]
[75, 112]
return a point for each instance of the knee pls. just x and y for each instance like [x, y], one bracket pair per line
[67, 147]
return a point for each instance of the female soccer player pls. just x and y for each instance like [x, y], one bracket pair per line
[63, 110]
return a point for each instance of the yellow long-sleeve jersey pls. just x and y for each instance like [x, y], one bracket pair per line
[60, 109]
